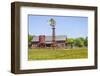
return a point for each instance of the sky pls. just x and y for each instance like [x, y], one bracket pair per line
[71, 26]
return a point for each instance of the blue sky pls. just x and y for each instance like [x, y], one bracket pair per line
[71, 26]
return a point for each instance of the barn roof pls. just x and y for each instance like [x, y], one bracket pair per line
[49, 38]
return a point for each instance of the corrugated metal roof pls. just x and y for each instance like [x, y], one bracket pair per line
[49, 38]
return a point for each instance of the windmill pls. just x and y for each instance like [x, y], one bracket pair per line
[52, 23]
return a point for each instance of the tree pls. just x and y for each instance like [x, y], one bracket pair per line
[79, 42]
[86, 42]
[30, 37]
[70, 41]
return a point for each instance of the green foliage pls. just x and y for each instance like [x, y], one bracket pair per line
[70, 41]
[86, 41]
[30, 37]
[78, 42]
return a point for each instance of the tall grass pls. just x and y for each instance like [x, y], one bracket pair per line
[48, 54]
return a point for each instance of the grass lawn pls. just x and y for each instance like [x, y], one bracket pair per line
[47, 54]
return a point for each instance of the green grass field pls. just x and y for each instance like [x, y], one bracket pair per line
[48, 54]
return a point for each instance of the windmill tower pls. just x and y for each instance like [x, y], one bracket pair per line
[52, 23]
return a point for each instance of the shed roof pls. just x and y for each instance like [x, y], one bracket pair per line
[49, 38]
